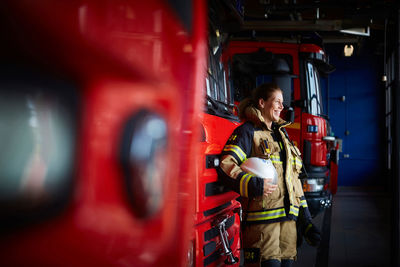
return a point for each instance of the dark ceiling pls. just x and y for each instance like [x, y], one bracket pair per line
[364, 19]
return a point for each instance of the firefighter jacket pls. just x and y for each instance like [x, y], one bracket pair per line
[254, 139]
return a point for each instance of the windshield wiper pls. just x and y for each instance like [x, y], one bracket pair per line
[219, 108]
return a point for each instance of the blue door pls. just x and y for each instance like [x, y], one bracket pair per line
[359, 119]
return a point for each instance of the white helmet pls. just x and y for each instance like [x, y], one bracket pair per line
[260, 167]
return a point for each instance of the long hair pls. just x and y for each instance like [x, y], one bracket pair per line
[263, 91]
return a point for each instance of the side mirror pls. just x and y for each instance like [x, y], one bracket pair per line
[301, 103]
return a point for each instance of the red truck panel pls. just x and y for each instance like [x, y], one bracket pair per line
[318, 146]
[213, 202]
[124, 56]
[208, 242]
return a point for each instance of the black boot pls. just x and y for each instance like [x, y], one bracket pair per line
[271, 263]
[287, 263]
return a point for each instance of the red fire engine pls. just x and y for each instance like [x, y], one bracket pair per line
[99, 132]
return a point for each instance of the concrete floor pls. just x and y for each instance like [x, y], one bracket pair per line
[360, 231]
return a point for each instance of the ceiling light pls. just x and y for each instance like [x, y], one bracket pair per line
[357, 31]
[348, 50]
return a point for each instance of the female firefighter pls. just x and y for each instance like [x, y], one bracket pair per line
[270, 211]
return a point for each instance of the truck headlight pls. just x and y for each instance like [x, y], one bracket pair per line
[143, 161]
[313, 184]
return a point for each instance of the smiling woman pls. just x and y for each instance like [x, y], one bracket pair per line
[272, 107]
[271, 210]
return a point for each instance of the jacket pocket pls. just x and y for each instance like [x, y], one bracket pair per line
[297, 162]
[273, 147]
[297, 188]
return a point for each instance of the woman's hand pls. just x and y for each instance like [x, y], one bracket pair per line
[268, 187]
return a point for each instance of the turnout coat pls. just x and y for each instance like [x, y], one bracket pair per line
[254, 139]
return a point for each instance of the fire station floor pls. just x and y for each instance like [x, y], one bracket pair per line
[360, 231]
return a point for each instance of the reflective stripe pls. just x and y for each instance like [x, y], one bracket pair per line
[237, 150]
[266, 215]
[276, 159]
[297, 162]
[294, 210]
[303, 203]
[244, 183]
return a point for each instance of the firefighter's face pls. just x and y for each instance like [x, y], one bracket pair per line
[272, 107]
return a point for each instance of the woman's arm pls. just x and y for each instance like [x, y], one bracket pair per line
[236, 151]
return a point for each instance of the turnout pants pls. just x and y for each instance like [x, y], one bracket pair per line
[269, 241]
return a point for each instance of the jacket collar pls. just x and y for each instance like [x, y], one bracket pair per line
[253, 115]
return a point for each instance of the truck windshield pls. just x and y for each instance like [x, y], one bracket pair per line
[219, 99]
[313, 90]
[215, 80]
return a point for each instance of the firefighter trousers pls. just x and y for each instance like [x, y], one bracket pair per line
[269, 241]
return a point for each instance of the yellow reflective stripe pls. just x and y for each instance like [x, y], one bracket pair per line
[266, 215]
[297, 162]
[276, 159]
[294, 210]
[294, 207]
[244, 184]
[237, 150]
[303, 203]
